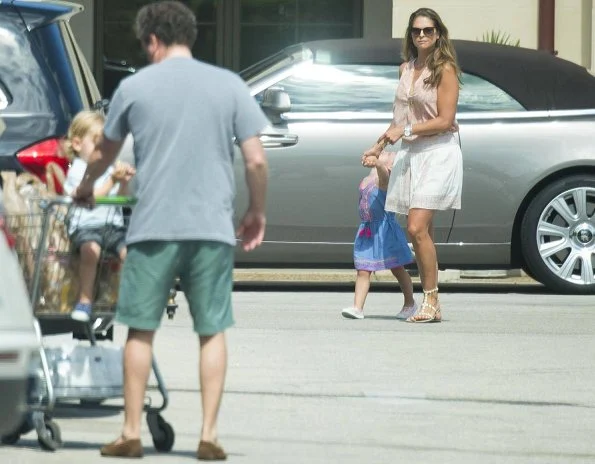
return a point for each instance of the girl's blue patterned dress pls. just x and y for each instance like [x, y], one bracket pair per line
[380, 243]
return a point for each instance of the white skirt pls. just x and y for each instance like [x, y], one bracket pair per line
[427, 174]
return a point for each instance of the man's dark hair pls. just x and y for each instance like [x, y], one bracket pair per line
[172, 22]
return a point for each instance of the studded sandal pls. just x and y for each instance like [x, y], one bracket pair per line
[427, 312]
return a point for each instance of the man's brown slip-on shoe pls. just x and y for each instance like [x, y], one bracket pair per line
[209, 451]
[124, 449]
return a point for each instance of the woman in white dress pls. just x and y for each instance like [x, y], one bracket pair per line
[428, 171]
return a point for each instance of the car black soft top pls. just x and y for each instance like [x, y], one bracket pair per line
[536, 79]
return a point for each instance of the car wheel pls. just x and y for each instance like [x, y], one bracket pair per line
[558, 235]
[528, 271]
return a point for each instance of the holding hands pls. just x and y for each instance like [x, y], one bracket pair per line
[370, 156]
[392, 135]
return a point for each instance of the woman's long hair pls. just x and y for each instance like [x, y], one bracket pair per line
[444, 52]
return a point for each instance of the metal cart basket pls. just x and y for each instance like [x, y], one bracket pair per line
[89, 371]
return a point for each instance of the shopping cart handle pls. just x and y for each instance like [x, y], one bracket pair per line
[46, 203]
[115, 201]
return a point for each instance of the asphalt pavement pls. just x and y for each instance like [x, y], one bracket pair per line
[506, 378]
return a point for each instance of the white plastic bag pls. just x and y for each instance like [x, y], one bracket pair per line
[82, 371]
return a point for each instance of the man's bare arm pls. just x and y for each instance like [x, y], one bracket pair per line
[252, 226]
[256, 173]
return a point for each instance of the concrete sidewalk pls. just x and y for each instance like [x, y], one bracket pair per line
[506, 378]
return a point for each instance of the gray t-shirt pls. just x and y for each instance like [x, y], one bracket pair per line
[183, 116]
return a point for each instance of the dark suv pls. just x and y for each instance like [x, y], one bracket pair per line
[44, 81]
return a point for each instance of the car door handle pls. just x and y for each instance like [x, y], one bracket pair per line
[278, 140]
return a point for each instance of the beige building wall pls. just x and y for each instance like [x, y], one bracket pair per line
[574, 36]
[593, 38]
[470, 19]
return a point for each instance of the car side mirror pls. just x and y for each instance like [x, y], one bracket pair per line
[274, 103]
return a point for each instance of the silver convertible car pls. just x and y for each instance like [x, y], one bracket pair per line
[527, 130]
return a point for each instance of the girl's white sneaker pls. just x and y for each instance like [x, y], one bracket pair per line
[353, 313]
[407, 311]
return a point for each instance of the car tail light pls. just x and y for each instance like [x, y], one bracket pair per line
[35, 159]
[10, 239]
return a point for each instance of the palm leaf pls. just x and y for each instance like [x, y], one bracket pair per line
[500, 38]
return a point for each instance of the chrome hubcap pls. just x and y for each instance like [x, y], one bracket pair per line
[566, 236]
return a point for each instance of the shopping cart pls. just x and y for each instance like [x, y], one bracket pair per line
[87, 371]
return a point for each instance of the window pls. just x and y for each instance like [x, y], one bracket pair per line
[267, 26]
[477, 94]
[119, 39]
[268, 67]
[234, 33]
[371, 88]
[329, 88]
[56, 49]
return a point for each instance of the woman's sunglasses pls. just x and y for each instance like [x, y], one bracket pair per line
[428, 31]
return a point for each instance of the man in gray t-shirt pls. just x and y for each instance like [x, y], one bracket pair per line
[183, 116]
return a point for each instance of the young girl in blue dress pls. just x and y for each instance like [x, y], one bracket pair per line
[380, 243]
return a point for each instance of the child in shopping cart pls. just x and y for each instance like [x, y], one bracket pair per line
[92, 231]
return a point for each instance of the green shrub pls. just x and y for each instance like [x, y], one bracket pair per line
[500, 38]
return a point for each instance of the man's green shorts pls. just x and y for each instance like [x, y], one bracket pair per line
[205, 270]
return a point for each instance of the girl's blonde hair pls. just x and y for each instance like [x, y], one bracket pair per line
[444, 52]
[82, 123]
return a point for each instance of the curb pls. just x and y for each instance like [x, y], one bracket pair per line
[347, 276]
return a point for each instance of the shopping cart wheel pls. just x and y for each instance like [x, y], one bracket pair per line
[171, 304]
[162, 433]
[50, 439]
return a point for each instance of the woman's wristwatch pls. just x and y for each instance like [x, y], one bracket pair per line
[408, 130]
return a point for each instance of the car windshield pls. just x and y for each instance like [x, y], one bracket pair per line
[285, 58]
